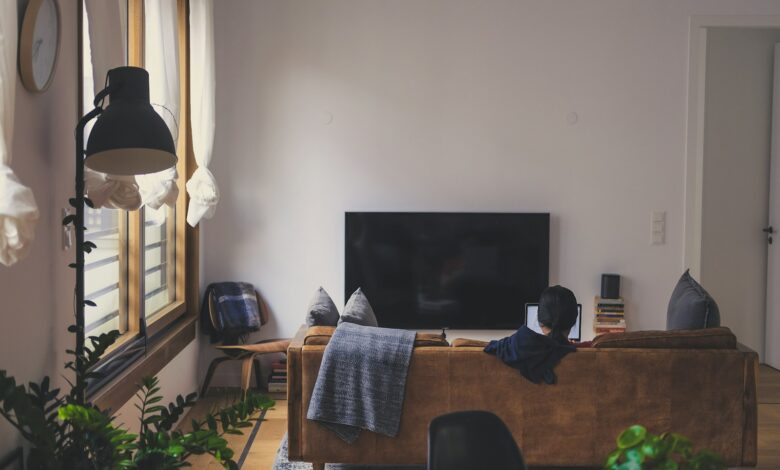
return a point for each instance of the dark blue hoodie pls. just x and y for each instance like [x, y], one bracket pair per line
[534, 355]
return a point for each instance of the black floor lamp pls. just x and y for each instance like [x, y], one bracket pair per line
[128, 138]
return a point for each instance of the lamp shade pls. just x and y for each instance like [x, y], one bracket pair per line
[129, 137]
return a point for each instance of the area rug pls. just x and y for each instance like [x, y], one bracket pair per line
[281, 463]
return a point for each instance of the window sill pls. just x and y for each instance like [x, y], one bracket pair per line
[165, 317]
[117, 392]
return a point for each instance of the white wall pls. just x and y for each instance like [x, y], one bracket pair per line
[34, 316]
[738, 106]
[37, 292]
[452, 106]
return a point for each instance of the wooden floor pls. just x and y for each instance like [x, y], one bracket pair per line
[261, 455]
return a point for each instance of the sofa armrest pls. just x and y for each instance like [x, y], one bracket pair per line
[294, 393]
[743, 348]
[299, 338]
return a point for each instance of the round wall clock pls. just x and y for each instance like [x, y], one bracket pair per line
[39, 43]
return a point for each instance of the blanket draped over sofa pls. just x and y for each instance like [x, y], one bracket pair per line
[362, 380]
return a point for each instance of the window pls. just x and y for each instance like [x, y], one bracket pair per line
[161, 59]
[136, 275]
[105, 276]
[159, 260]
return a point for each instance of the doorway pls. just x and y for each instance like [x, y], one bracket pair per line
[725, 245]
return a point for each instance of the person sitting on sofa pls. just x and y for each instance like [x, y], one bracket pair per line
[557, 313]
[536, 355]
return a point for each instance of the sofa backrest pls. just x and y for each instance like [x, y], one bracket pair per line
[709, 338]
[708, 395]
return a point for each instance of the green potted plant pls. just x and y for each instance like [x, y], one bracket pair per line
[637, 449]
[64, 434]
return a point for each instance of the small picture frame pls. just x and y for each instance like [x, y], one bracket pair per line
[13, 461]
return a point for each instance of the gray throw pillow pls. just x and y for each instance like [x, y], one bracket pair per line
[322, 310]
[691, 307]
[358, 310]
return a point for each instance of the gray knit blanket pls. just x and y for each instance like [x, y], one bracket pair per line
[361, 381]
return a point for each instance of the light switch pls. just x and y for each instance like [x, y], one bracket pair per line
[658, 227]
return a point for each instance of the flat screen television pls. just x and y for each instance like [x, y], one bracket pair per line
[447, 270]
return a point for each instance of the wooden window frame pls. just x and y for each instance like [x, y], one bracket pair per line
[174, 326]
[166, 316]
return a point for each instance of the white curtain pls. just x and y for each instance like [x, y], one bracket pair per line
[162, 61]
[202, 187]
[18, 211]
[107, 20]
[107, 48]
[111, 191]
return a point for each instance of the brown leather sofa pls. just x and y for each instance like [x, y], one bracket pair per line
[698, 383]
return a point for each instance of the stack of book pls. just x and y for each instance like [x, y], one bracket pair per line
[610, 316]
[277, 381]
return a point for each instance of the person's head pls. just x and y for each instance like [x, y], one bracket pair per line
[557, 312]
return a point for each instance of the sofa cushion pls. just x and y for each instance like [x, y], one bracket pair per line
[320, 336]
[322, 311]
[691, 306]
[358, 310]
[710, 338]
[468, 343]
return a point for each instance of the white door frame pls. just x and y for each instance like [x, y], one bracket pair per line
[694, 148]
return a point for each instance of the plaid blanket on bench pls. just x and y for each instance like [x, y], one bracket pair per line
[237, 312]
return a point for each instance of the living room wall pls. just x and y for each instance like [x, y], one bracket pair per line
[33, 332]
[37, 292]
[572, 108]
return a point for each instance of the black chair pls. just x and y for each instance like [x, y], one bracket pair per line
[472, 440]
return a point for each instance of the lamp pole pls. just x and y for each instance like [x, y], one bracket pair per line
[81, 248]
[130, 127]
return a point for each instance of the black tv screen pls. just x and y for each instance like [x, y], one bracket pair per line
[454, 270]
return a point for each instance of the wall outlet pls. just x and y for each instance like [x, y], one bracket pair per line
[67, 232]
[658, 228]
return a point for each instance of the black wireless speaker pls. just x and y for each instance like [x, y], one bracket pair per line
[610, 286]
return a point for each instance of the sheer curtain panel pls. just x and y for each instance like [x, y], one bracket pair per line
[202, 187]
[161, 59]
[105, 50]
